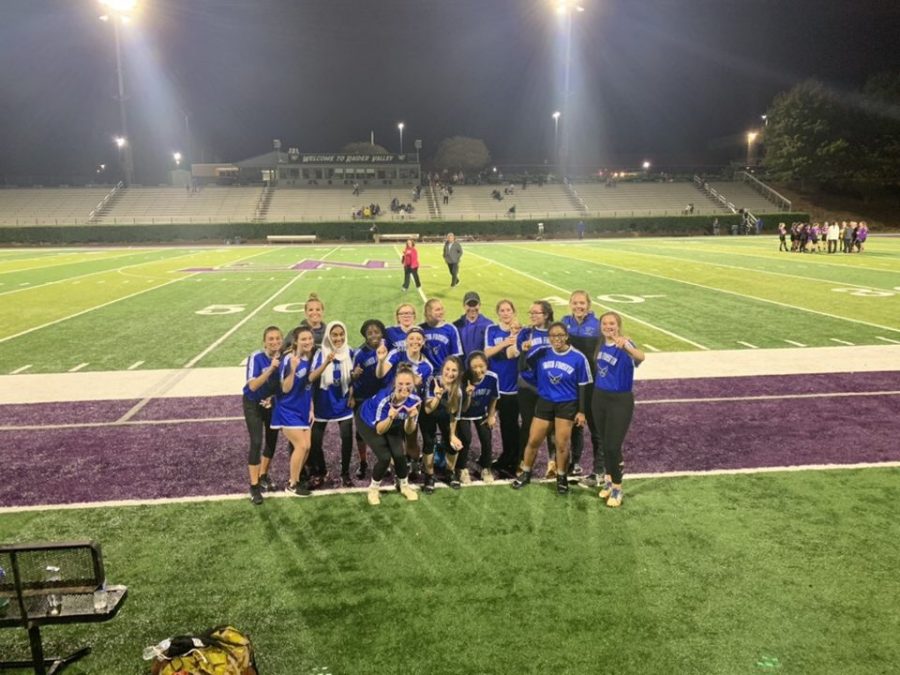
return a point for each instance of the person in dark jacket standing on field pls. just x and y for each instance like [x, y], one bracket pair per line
[452, 254]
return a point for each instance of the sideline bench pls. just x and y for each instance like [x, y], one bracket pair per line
[291, 238]
[31, 595]
[398, 237]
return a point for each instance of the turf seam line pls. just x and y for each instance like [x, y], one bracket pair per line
[440, 486]
[607, 307]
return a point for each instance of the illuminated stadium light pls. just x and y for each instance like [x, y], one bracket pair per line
[646, 165]
[122, 7]
[566, 6]
[400, 126]
[120, 141]
[751, 137]
[177, 157]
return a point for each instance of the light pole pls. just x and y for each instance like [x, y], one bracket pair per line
[400, 126]
[119, 12]
[556, 116]
[751, 136]
[565, 9]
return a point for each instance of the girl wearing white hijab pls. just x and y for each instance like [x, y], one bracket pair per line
[330, 378]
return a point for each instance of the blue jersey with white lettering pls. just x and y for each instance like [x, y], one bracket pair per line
[505, 368]
[614, 369]
[559, 374]
[584, 336]
[394, 338]
[292, 408]
[539, 340]
[258, 362]
[367, 384]
[331, 404]
[440, 342]
[375, 409]
[422, 368]
[485, 391]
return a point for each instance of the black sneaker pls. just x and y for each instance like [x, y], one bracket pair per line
[300, 489]
[428, 486]
[256, 495]
[521, 481]
[455, 481]
[266, 484]
[362, 470]
[345, 480]
[562, 485]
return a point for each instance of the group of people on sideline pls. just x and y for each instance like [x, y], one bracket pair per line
[417, 394]
[834, 237]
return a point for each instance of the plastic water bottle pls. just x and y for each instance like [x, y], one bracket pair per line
[54, 600]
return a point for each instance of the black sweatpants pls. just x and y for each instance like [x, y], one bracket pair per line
[385, 447]
[612, 415]
[577, 442]
[258, 421]
[430, 424]
[508, 413]
[411, 272]
[464, 431]
[316, 461]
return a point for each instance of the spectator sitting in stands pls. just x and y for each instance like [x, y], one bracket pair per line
[395, 205]
[511, 211]
[496, 195]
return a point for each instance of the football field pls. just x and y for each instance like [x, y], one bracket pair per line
[760, 526]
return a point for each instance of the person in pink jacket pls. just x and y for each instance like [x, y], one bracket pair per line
[410, 261]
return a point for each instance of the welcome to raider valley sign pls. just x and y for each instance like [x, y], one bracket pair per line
[349, 159]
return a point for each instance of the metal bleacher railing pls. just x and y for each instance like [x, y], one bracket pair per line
[782, 202]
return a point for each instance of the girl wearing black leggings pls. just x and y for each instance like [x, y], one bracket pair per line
[262, 383]
[613, 401]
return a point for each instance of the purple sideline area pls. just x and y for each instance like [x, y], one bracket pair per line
[174, 460]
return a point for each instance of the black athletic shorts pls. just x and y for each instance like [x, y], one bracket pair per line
[549, 411]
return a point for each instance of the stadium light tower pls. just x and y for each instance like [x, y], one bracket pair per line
[400, 126]
[556, 116]
[751, 137]
[566, 9]
[177, 157]
[119, 12]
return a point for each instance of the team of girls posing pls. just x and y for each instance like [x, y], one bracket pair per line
[547, 381]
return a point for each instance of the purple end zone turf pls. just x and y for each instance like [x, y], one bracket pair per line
[64, 413]
[144, 461]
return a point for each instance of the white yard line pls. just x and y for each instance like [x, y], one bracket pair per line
[627, 316]
[753, 269]
[727, 292]
[177, 376]
[893, 342]
[650, 348]
[842, 342]
[134, 365]
[792, 342]
[318, 494]
[767, 397]
[78, 367]
[20, 370]
[747, 344]
[91, 309]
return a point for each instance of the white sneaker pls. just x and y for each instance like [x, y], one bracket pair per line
[487, 476]
[464, 477]
[373, 496]
[409, 493]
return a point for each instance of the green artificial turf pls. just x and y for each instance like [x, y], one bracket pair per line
[790, 572]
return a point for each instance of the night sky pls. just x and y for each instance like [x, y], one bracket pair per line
[675, 81]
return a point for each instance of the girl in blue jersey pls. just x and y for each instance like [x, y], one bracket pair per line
[442, 409]
[441, 338]
[535, 337]
[562, 375]
[331, 377]
[262, 383]
[383, 420]
[365, 382]
[293, 406]
[613, 400]
[500, 349]
[395, 336]
[584, 335]
[422, 371]
[482, 390]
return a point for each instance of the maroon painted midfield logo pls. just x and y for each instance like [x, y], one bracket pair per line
[303, 265]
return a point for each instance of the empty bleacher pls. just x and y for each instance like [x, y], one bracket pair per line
[212, 204]
[331, 204]
[48, 206]
[744, 197]
[645, 199]
[476, 202]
